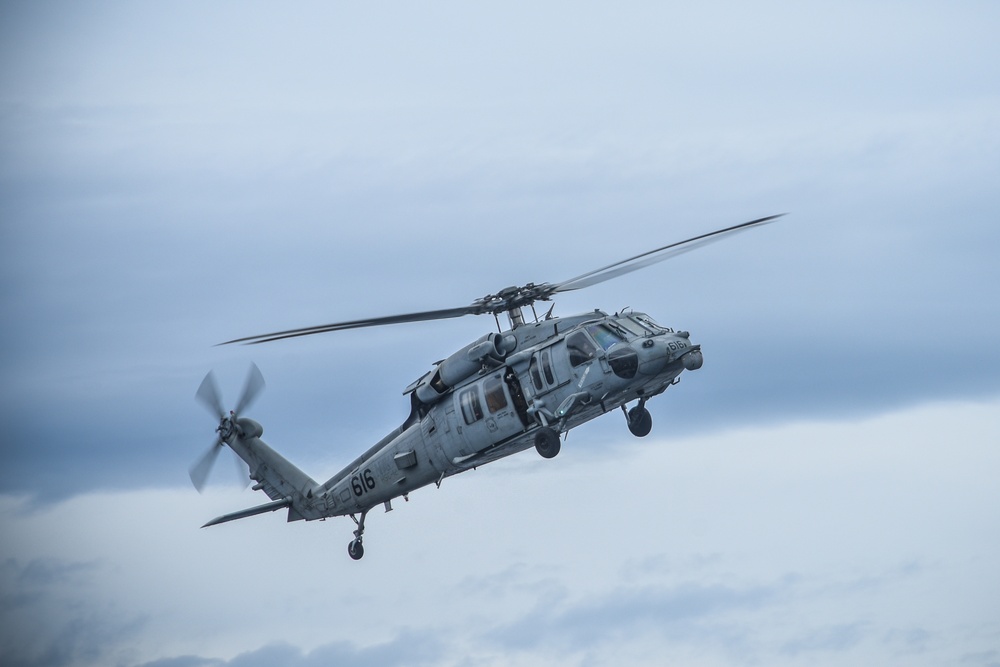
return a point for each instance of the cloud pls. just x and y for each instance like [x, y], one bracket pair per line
[783, 542]
[73, 630]
[409, 648]
[406, 649]
[835, 638]
[684, 613]
[704, 615]
[175, 178]
[184, 661]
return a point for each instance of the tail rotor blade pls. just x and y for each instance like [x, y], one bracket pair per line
[251, 389]
[208, 393]
[199, 471]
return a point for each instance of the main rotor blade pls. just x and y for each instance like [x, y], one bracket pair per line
[199, 471]
[251, 389]
[444, 314]
[208, 393]
[516, 297]
[654, 256]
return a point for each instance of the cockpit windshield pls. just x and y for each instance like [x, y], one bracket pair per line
[604, 335]
[645, 321]
[633, 327]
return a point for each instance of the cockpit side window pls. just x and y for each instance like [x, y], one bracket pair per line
[580, 348]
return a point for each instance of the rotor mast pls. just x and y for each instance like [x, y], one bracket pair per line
[512, 300]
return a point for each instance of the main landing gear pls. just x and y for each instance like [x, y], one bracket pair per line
[547, 442]
[640, 422]
[355, 549]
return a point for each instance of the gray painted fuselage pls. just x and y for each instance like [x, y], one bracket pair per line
[485, 402]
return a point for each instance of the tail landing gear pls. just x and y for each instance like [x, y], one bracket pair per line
[355, 549]
[640, 422]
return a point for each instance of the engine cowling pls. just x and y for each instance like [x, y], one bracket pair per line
[489, 350]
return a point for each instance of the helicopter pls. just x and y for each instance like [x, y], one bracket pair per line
[514, 389]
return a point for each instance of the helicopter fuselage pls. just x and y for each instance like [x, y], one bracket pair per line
[554, 374]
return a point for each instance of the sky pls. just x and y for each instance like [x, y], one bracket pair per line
[820, 492]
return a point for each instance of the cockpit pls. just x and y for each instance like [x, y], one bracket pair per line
[613, 335]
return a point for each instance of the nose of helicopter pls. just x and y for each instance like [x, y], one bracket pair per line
[693, 359]
[655, 354]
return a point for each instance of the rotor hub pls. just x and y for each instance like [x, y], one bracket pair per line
[227, 426]
[513, 298]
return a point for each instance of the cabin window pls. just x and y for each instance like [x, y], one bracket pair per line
[536, 377]
[604, 336]
[496, 399]
[471, 409]
[550, 379]
[580, 348]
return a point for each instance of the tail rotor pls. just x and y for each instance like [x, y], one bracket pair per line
[208, 394]
[199, 471]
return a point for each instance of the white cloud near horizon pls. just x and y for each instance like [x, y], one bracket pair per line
[869, 542]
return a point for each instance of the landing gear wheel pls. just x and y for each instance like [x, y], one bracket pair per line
[547, 442]
[355, 549]
[640, 422]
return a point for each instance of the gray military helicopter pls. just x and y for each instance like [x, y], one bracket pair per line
[504, 393]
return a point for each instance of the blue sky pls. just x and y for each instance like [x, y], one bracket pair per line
[175, 176]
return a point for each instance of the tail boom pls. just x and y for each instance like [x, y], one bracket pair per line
[284, 483]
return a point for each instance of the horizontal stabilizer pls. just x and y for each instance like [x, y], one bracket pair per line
[252, 511]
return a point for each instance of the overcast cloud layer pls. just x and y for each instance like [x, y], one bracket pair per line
[175, 176]
[819, 543]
